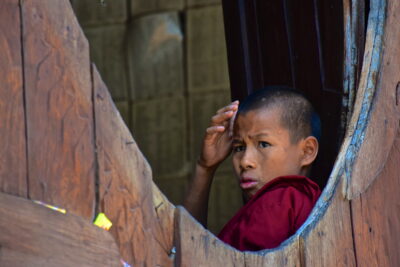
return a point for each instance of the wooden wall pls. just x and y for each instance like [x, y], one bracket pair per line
[64, 142]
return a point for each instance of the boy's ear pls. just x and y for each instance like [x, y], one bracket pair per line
[310, 150]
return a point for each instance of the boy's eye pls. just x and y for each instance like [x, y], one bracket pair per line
[238, 148]
[263, 144]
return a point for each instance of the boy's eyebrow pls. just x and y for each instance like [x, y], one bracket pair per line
[236, 141]
[260, 135]
[256, 136]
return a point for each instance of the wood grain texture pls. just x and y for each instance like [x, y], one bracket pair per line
[198, 247]
[142, 216]
[329, 241]
[33, 235]
[376, 216]
[286, 255]
[59, 108]
[383, 122]
[13, 172]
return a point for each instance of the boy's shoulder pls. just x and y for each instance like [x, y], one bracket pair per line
[289, 185]
[274, 213]
[283, 195]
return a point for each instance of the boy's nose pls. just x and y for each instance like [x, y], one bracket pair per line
[248, 160]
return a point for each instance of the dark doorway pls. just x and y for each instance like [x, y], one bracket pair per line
[294, 43]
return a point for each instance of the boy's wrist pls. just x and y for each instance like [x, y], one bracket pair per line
[200, 164]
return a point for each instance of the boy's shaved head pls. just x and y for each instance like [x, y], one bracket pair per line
[297, 113]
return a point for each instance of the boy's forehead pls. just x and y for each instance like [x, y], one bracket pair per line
[259, 118]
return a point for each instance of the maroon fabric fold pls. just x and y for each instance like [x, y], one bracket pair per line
[272, 215]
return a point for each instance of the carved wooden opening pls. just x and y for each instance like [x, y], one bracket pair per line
[65, 143]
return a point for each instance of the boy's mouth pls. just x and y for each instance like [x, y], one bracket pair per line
[246, 182]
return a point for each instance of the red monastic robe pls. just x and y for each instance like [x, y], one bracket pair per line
[272, 215]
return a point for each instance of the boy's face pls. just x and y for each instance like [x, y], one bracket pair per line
[262, 150]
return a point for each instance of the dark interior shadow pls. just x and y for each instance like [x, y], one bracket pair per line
[298, 44]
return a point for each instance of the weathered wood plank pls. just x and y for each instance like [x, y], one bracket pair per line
[13, 176]
[376, 216]
[142, 216]
[163, 228]
[33, 235]
[288, 255]
[59, 107]
[198, 247]
[328, 241]
[383, 122]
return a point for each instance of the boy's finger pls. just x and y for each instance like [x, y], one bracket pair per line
[222, 117]
[232, 106]
[215, 129]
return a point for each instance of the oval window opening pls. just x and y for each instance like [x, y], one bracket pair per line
[306, 46]
[301, 45]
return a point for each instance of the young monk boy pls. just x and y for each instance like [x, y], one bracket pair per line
[274, 143]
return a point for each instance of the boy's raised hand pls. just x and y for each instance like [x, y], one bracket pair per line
[216, 147]
[218, 140]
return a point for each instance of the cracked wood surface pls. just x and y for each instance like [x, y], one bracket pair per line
[328, 241]
[38, 236]
[12, 119]
[198, 247]
[126, 189]
[58, 107]
[76, 135]
[376, 216]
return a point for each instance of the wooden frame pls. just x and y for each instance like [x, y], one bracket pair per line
[353, 223]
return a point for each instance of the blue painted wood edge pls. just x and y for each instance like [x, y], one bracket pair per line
[344, 166]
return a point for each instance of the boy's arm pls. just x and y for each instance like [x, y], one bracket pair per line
[216, 148]
[196, 199]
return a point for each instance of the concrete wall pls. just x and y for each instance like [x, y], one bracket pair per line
[165, 64]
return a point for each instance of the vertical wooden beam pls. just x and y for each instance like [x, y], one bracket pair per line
[58, 107]
[378, 115]
[13, 173]
[142, 217]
